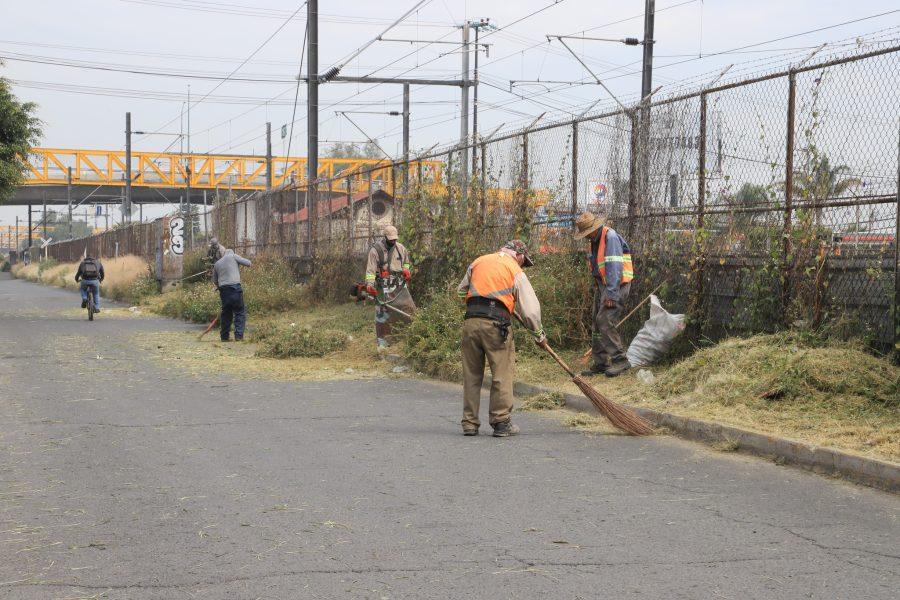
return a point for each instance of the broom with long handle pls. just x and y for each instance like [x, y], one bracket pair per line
[619, 416]
[208, 329]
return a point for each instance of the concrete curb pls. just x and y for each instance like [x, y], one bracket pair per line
[828, 461]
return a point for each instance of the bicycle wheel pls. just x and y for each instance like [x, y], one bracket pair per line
[90, 305]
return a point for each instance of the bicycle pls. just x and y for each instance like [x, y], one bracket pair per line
[91, 306]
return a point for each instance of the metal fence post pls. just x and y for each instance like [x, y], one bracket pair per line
[897, 259]
[633, 174]
[574, 171]
[369, 210]
[330, 210]
[351, 218]
[701, 210]
[788, 195]
[482, 176]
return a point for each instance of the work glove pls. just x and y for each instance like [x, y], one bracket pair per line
[609, 303]
[541, 341]
[407, 275]
[370, 290]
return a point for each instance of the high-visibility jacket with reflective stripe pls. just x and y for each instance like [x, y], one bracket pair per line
[617, 261]
[494, 276]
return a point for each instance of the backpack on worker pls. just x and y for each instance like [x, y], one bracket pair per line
[89, 269]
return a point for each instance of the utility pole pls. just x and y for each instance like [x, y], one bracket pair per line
[312, 115]
[268, 157]
[647, 72]
[45, 218]
[405, 141]
[464, 123]
[646, 88]
[69, 200]
[29, 226]
[187, 194]
[127, 206]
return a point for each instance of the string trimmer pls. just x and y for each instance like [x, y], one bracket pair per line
[358, 291]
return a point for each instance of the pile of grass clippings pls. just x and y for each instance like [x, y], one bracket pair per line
[545, 401]
[297, 340]
[769, 370]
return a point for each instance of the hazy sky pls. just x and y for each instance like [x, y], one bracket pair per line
[84, 107]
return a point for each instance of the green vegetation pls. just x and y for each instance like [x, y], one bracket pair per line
[432, 339]
[20, 129]
[283, 342]
[269, 286]
[787, 368]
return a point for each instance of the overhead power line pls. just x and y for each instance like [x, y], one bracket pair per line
[238, 68]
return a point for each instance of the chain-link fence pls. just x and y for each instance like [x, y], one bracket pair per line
[757, 203]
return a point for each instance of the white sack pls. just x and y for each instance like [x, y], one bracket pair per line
[655, 337]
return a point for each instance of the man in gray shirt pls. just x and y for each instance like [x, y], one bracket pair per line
[227, 279]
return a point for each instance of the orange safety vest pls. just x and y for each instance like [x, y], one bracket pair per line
[599, 261]
[494, 276]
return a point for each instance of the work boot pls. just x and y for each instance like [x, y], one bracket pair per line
[505, 429]
[96, 310]
[470, 431]
[84, 304]
[618, 367]
[594, 370]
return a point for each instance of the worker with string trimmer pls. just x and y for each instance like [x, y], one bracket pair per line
[387, 280]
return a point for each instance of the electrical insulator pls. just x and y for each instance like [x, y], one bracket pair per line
[329, 74]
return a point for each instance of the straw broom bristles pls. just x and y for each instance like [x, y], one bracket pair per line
[619, 416]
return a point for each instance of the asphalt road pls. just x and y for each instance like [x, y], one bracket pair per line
[121, 477]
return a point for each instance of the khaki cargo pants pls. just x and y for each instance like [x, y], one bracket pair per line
[481, 340]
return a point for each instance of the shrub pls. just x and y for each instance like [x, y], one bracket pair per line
[46, 264]
[5, 266]
[431, 341]
[193, 262]
[333, 274]
[197, 303]
[298, 341]
[269, 286]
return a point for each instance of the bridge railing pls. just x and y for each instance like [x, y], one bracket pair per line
[49, 166]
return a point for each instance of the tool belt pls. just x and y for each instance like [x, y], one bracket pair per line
[478, 307]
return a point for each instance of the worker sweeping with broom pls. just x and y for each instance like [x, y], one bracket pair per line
[495, 287]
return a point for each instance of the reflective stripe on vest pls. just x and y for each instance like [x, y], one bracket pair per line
[599, 262]
[494, 276]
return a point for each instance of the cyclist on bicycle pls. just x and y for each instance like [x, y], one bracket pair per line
[90, 274]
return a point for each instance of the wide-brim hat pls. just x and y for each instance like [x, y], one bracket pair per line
[586, 224]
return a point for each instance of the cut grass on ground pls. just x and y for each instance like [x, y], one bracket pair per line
[356, 359]
[830, 394]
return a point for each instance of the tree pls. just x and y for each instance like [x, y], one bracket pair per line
[818, 181]
[748, 196]
[20, 129]
[351, 150]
